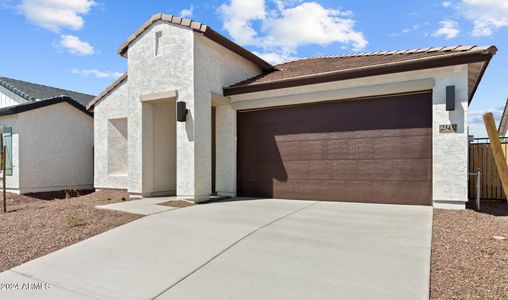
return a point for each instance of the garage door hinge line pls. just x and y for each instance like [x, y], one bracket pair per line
[231, 246]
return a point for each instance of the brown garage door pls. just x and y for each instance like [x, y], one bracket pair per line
[371, 150]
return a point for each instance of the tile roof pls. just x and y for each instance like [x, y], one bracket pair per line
[34, 92]
[197, 27]
[315, 67]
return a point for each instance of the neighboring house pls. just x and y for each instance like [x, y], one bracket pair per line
[503, 124]
[361, 127]
[49, 137]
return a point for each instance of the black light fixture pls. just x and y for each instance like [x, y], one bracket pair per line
[181, 111]
[450, 97]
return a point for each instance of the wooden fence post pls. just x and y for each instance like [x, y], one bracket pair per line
[497, 151]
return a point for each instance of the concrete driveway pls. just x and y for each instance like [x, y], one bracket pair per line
[250, 249]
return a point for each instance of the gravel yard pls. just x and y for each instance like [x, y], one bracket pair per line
[468, 261]
[35, 227]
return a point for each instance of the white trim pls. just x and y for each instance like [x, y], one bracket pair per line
[168, 95]
[336, 94]
[219, 100]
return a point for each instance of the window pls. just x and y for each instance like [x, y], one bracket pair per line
[117, 146]
[158, 43]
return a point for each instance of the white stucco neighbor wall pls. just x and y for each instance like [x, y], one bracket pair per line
[8, 98]
[216, 67]
[169, 71]
[55, 149]
[12, 181]
[113, 106]
[450, 150]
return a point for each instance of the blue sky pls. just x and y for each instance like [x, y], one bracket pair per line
[72, 43]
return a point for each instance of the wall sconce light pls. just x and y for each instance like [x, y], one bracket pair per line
[450, 97]
[181, 111]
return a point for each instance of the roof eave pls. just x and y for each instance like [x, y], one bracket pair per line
[16, 109]
[107, 91]
[381, 69]
[200, 28]
[478, 79]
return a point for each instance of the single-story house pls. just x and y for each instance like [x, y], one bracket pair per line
[49, 137]
[196, 114]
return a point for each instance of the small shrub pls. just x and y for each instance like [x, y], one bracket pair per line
[73, 218]
[72, 192]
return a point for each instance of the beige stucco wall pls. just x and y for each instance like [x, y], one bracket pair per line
[194, 67]
[171, 70]
[450, 153]
[216, 67]
[55, 148]
[113, 106]
[12, 181]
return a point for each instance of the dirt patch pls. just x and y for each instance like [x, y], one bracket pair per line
[468, 262]
[34, 227]
[177, 203]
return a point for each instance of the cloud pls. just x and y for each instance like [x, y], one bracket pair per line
[487, 15]
[96, 73]
[413, 28]
[187, 12]
[75, 46]
[275, 57]
[476, 116]
[446, 4]
[55, 15]
[475, 120]
[280, 30]
[238, 17]
[449, 29]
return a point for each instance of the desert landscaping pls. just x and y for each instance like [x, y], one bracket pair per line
[34, 227]
[470, 252]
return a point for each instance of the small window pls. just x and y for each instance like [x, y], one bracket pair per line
[158, 43]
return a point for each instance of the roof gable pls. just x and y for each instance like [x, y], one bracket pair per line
[197, 27]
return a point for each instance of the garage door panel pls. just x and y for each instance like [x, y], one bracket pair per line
[397, 192]
[394, 147]
[402, 169]
[374, 150]
[259, 133]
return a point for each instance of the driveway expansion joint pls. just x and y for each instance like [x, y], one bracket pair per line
[231, 246]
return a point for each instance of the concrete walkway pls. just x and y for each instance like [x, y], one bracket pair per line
[252, 249]
[145, 206]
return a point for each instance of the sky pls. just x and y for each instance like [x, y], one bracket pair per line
[72, 44]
